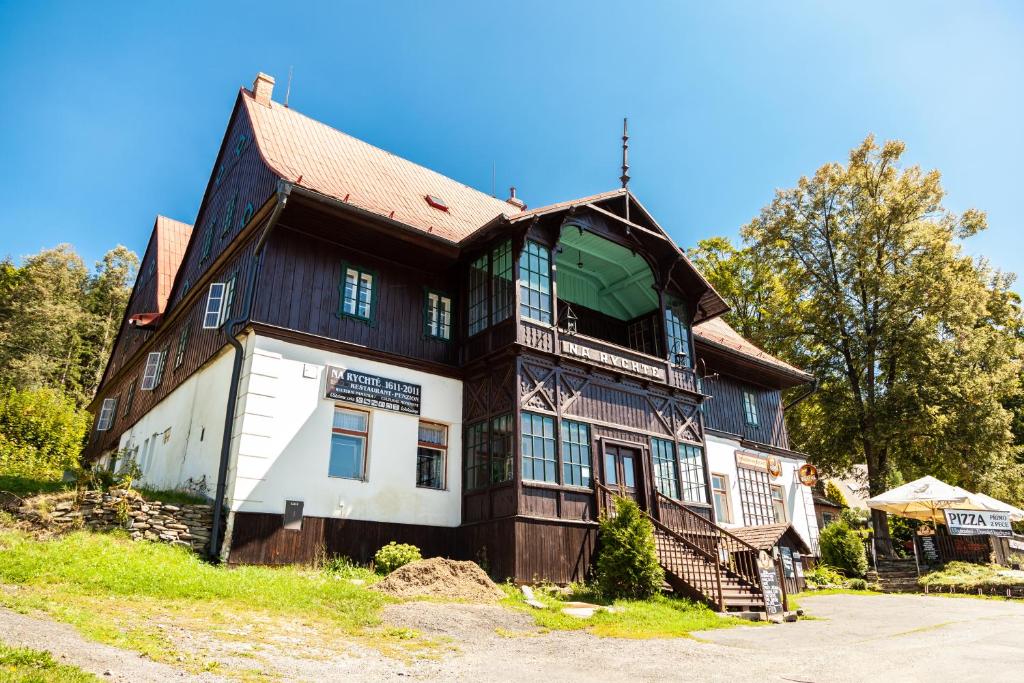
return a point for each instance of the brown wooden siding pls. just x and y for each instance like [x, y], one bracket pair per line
[724, 411]
[300, 289]
[142, 300]
[553, 551]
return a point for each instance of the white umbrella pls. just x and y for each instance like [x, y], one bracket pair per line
[1016, 514]
[925, 499]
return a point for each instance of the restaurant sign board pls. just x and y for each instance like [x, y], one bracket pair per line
[595, 355]
[977, 522]
[751, 461]
[372, 391]
[770, 584]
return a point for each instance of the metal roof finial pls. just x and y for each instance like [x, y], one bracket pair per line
[625, 153]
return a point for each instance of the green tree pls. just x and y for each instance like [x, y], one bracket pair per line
[916, 346]
[105, 300]
[41, 432]
[842, 548]
[835, 494]
[627, 564]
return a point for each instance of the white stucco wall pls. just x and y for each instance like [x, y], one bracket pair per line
[180, 438]
[281, 448]
[721, 454]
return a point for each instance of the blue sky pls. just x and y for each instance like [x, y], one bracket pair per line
[110, 114]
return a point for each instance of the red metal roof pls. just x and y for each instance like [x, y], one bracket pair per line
[717, 331]
[315, 156]
[171, 239]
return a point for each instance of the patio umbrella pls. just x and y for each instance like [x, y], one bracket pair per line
[1016, 514]
[925, 499]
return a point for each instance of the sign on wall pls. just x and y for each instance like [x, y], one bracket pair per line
[595, 355]
[372, 391]
[972, 522]
[750, 461]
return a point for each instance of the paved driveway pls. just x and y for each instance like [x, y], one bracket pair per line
[887, 638]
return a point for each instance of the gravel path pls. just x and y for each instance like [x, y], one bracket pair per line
[855, 638]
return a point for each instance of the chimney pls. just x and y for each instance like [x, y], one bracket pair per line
[263, 88]
[514, 200]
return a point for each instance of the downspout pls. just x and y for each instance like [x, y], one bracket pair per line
[807, 394]
[283, 190]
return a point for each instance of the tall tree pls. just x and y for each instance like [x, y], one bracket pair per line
[106, 298]
[916, 345]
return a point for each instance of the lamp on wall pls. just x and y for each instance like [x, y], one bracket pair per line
[679, 356]
[570, 320]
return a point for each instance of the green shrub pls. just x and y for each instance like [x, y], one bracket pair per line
[394, 555]
[842, 548]
[41, 432]
[824, 576]
[627, 564]
[856, 584]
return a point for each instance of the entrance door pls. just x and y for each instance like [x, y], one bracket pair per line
[622, 471]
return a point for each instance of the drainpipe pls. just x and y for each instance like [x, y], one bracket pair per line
[807, 394]
[283, 190]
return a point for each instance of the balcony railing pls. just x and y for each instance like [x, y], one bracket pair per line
[604, 354]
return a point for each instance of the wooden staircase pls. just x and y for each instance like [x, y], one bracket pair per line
[895, 576]
[701, 560]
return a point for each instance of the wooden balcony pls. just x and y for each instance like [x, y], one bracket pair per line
[605, 355]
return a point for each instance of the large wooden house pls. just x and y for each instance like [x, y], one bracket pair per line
[348, 348]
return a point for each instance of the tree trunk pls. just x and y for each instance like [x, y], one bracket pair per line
[876, 463]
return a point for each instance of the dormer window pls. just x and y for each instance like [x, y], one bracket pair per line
[436, 202]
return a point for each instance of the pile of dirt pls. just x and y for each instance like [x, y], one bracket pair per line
[440, 578]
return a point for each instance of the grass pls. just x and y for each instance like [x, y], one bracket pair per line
[30, 486]
[172, 496]
[970, 577]
[141, 596]
[656, 617]
[24, 665]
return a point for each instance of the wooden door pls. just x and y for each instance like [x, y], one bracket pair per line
[622, 472]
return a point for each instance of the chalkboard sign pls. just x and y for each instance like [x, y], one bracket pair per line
[787, 562]
[372, 391]
[929, 550]
[770, 585]
[293, 515]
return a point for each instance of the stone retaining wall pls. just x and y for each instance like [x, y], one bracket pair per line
[184, 525]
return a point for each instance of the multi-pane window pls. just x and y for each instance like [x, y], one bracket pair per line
[755, 496]
[430, 455]
[720, 497]
[229, 216]
[106, 418]
[678, 335]
[502, 285]
[152, 371]
[575, 453]
[691, 466]
[348, 444]
[246, 215]
[475, 475]
[129, 399]
[438, 313]
[214, 306]
[750, 407]
[477, 312]
[179, 354]
[229, 298]
[535, 282]
[666, 469]
[207, 241]
[501, 449]
[538, 443]
[779, 503]
[357, 293]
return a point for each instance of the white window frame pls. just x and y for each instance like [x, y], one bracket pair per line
[725, 496]
[152, 371]
[214, 306]
[750, 409]
[106, 418]
[439, 316]
[439, 448]
[364, 436]
[229, 299]
[782, 500]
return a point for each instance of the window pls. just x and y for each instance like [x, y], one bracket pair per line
[691, 465]
[357, 293]
[179, 354]
[214, 306]
[502, 291]
[575, 454]
[477, 311]
[755, 497]
[160, 368]
[152, 370]
[666, 470]
[207, 241]
[678, 334]
[246, 215]
[538, 441]
[475, 458]
[241, 144]
[229, 216]
[720, 497]
[106, 417]
[430, 455]
[779, 503]
[535, 282]
[229, 298]
[348, 444]
[750, 407]
[826, 518]
[129, 399]
[501, 449]
[436, 202]
[438, 321]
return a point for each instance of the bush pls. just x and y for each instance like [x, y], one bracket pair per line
[627, 565]
[856, 584]
[41, 432]
[824, 576]
[842, 548]
[394, 555]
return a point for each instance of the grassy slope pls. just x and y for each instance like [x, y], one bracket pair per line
[23, 665]
[966, 575]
